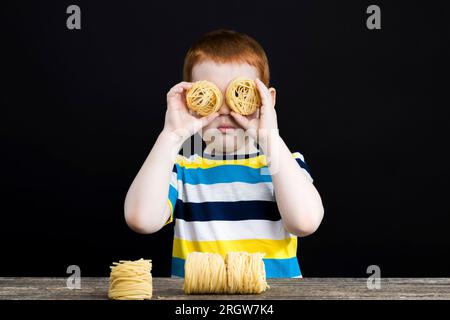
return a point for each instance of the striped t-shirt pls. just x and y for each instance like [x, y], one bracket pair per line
[229, 205]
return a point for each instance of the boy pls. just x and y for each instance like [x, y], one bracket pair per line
[258, 201]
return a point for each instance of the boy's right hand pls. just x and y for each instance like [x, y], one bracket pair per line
[178, 120]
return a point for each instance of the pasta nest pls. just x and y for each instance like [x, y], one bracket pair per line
[238, 273]
[204, 98]
[242, 96]
[131, 280]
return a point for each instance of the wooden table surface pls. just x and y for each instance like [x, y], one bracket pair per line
[285, 289]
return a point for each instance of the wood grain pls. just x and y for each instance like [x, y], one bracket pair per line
[283, 289]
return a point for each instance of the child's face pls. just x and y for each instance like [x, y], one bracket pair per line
[228, 134]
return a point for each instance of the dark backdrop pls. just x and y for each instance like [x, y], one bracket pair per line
[80, 111]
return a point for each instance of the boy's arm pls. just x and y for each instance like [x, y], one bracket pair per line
[146, 205]
[298, 201]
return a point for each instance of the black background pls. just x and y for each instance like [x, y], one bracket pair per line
[80, 111]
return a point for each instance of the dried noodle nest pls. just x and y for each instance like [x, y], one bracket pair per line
[204, 98]
[242, 96]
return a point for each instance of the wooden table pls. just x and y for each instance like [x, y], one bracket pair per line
[285, 289]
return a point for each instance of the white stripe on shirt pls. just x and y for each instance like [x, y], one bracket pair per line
[230, 230]
[232, 191]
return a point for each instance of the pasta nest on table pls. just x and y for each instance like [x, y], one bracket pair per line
[238, 273]
[131, 280]
[204, 98]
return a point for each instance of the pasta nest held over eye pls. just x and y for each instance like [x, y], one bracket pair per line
[242, 96]
[204, 98]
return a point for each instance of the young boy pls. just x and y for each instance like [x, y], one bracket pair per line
[260, 200]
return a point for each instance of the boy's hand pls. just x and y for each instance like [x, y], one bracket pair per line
[178, 120]
[266, 125]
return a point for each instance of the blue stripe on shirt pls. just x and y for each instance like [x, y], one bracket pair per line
[223, 174]
[282, 268]
[173, 195]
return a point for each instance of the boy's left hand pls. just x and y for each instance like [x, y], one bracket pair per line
[262, 127]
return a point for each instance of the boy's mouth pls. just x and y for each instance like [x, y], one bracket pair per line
[225, 128]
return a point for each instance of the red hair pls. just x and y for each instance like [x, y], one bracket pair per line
[225, 46]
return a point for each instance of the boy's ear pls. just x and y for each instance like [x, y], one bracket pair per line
[273, 93]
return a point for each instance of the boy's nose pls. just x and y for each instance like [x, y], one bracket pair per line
[224, 108]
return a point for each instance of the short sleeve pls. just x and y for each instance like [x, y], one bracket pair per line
[173, 193]
[301, 162]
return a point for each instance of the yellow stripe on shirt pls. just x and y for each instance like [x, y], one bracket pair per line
[171, 213]
[274, 249]
[205, 163]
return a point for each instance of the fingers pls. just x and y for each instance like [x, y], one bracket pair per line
[208, 119]
[175, 96]
[241, 120]
[264, 93]
[179, 88]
